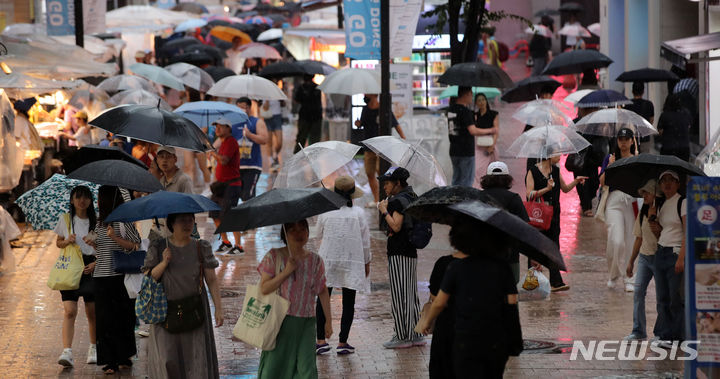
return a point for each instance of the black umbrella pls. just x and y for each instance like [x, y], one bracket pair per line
[571, 7]
[528, 89]
[218, 72]
[197, 58]
[92, 153]
[476, 74]
[152, 124]
[630, 174]
[282, 70]
[547, 12]
[521, 234]
[576, 61]
[223, 45]
[118, 173]
[178, 45]
[603, 98]
[279, 206]
[316, 67]
[647, 75]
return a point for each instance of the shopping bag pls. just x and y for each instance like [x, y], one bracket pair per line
[261, 318]
[602, 203]
[540, 292]
[68, 268]
[151, 302]
[133, 284]
[539, 213]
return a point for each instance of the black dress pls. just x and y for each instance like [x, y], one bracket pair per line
[552, 197]
[441, 358]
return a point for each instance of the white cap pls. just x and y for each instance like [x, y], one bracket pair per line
[169, 149]
[671, 173]
[498, 168]
[222, 121]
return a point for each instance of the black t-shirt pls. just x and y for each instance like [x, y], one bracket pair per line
[642, 107]
[676, 129]
[370, 121]
[539, 46]
[308, 95]
[462, 143]
[399, 243]
[485, 121]
[446, 318]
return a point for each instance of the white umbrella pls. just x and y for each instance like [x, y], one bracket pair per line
[270, 35]
[595, 28]
[314, 163]
[547, 141]
[577, 95]
[539, 29]
[250, 86]
[142, 15]
[574, 30]
[543, 112]
[20, 85]
[351, 81]
[192, 76]
[158, 75]
[258, 50]
[124, 82]
[139, 96]
[607, 122]
[413, 157]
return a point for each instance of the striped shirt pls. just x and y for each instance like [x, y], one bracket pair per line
[105, 246]
[688, 85]
[302, 287]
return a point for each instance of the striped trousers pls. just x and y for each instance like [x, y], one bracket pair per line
[403, 295]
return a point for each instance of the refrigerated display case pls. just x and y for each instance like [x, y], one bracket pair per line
[426, 89]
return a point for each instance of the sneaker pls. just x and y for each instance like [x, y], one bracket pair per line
[322, 349]
[419, 341]
[654, 340]
[665, 344]
[92, 354]
[629, 287]
[611, 283]
[633, 337]
[66, 358]
[344, 349]
[396, 343]
[562, 287]
[236, 250]
[223, 247]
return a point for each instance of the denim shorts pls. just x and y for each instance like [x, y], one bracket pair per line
[274, 123]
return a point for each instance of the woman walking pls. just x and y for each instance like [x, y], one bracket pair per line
[299, 274]
[74, 228]
[485, 118]
[345, 250]
[183, 265]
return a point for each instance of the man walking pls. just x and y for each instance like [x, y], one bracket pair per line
[310, 114]
[644, 108]
[250, 136]
[228, 186]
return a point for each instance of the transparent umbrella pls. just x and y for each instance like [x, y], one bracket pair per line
[351, 81]
[192, 76]
[413, 157]
[122, 82]
[250, 86]
[141, 97]
[547, 141]
[543, 112]
[607, 122]
[315, 162]
[158, 75]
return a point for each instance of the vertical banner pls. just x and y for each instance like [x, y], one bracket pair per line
[702, 276]
[362, 29]
[403, 22]
[60, 17]
[401, 91]
[94, 16]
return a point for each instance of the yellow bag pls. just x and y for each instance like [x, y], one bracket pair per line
[66, 273]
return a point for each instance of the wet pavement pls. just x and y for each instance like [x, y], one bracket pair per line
[31, 314]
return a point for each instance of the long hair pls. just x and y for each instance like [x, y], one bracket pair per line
[616, 149]
[83, 191]
[487, 103]
[673, 103]
[109, 198]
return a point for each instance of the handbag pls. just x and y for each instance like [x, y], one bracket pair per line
[188, 313]
[602, 203]
[261, 317]
[539, 213]
[576, 162]
[68, 268]
[424, 314]
[485, 141]
[130, 262]
[151, 302]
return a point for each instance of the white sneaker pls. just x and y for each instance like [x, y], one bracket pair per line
[611, 283]
[92, 354]
[66, 358]
[629, 287]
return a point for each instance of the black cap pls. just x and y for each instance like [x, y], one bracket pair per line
[395, 173]
[625, 132]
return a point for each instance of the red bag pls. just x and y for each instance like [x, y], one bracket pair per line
[540, 214]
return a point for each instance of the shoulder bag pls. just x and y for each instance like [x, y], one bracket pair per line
[151, 302]
[128, 262]
[485, 141]
[539, 213]
[188, 313]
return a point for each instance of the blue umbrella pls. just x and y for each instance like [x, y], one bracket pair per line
[190, 25]
[44, 204]
[161, 204]
[603, 98]
[204, 113]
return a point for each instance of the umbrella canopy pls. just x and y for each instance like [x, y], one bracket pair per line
[191, 8]
[270, 34]
[595, 28]
[158, 75]
[117, 173]
[161, 204]
[574, 30]
[152, 124]
[547, 12]
[44, 204]
[258, 20]
[607, 122]
[227, 33]
[577, 95]
[576, 61]
[602, 98]
[250, 86]
[313, 163]
[539, 29]
[193, 58]
[528, 89]
[19, 85]
[218, 72]
[93, 153]
[571, 7]
[190, 24]
[413, 157]
[178, 45]
[351, 81]
[647, 75]
[279, 206]
[192, 76]
[630, 174]
[258, 50]
[141, 97]
[543, 112]
[312, 67]
[124, 82]
[82, 97]
[452, 91]
[281, 70]
[547, 141]
[142, 15]
[476, 74]
[204, 113]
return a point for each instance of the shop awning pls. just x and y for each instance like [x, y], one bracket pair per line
[686, 50]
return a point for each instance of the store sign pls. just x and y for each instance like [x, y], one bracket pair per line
[94, 16]
[430, 42]
[362, 27]
[60, 17]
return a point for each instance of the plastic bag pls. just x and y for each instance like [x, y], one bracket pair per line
[541, 292]
[133, 284]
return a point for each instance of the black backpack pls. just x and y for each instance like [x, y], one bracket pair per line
[419, 232]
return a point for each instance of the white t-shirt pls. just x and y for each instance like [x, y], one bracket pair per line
[649, 241]
[275, 107]
[673, 232]
[83, 137]
[81, 227]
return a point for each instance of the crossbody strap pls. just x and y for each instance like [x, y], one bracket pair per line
[201, 277]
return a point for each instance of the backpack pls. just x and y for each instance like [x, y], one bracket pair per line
[419, 232]
[503, 52]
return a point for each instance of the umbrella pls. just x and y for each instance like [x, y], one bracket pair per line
[124, 82]
[476, 74]
[547, 12]
[117, 173]
[279, 206]
[520, 234]
[647, 75]
[270, 34]
[193, 58]
[281, 70]
[577, 95]
[191, 8]
[630, 174]
[218, 72]
[607, 122]
[594, 28]
[92, 153]
[158, 75]
[213, 51]
[178, 45]
[413, 157]
[161, 204]
[312, 67]
[571, 7]
[141, 97]
[576, 61]
[258, 50]
[351, 81]
[190, 24]
[528, 89]
[539, 29]
[204, 113]
[20, 85]
[258, 20]
[602, 98]
[250, 86]
[543, 112]
[44, 204]
[89, 97]
[192, 76]
[227, 33]
[313, 163]
[547, 141]
[452, 91]
[152, 124]
[574, 30]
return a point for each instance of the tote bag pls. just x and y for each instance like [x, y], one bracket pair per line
[67, 271]
[151, 302]
[539, 213]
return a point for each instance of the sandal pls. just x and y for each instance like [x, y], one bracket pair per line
[110, 369]
[588, 213]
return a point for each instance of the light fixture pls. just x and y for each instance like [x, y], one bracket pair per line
[6, 69]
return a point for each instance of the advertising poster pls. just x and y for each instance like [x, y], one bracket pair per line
[362, 28]
[60, 17]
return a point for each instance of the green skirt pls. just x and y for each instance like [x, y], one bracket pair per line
[294, 353]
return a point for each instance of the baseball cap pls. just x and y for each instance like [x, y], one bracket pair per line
[625, 132]
[498, 168]
[395, 173]
[168, 149]
[81, 114]
[671, 173]
[222, 121]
